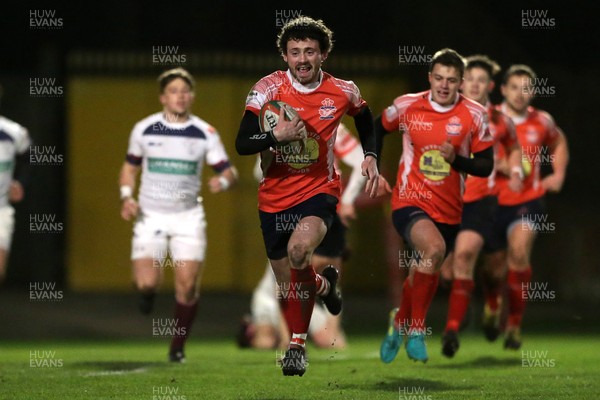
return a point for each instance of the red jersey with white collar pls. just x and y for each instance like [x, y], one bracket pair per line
[503, 131]
[299, 170]
[425, 179]
[535, 131]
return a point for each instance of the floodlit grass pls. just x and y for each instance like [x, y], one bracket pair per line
[548, 367]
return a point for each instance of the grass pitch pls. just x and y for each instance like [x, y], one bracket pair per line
[548, 367]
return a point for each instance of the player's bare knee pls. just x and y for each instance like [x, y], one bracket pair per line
[185, 291]
[298, 253]
[464, 258]
[462, 270]
[518, 259]
[434, 256]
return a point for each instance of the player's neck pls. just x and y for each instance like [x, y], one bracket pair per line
[176, 118]
[513, 113]
[442, 108]
[303, 87]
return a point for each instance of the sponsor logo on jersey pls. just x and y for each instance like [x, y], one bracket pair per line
[170, 166]
[5, 166]
[433, 165]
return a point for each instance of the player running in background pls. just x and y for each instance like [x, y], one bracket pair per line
[480, 197]
[305, 192]
[519, 213]
[14, 171]
[264, 330]
[170, 148]
[441, 129]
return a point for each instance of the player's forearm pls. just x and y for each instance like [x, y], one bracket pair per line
[250, 140]
[560, 159]
[228, 177]
[364, 126]
[127, 178]
[514, 161]
[481, 164]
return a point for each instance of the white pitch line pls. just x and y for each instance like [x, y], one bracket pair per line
[117, 372]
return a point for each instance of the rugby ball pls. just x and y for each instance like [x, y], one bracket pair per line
[269, 115]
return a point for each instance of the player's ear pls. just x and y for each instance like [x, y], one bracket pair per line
[491, 86]
[324, 56]
[163, 99]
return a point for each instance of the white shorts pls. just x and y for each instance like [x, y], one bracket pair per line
[7, 226]
[265, 306]
[182, 235]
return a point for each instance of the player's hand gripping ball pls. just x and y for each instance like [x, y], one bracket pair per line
[269, 115]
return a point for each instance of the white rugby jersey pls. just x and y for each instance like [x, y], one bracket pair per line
[14, 140]
[172, 156]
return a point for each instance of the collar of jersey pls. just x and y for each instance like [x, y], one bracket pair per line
[305, 88]
[439, 108]
[177, 125]
[519, 119]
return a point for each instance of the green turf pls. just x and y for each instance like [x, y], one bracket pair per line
[552, 367]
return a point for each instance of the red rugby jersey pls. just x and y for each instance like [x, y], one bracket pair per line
[425, 179]
[535, 132]
[503, 131]
[299, 170]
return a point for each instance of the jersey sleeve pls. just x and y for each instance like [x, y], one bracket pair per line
[509, 136]
[135, 151]
[553, 130]
[22, 140]
[481, 138]
[389, 118]
[216, 156]
[392, 115]
[262, 92]
[356, 100]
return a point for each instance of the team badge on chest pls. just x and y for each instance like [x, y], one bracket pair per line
[453, 127]
[327, 110]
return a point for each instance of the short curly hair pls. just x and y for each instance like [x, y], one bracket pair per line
[302, 28]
